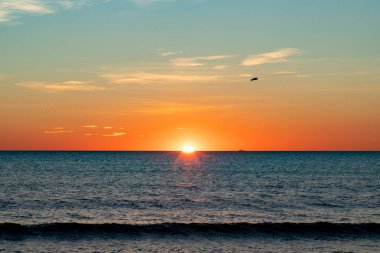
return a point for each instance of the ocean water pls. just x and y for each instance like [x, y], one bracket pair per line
[204, 202]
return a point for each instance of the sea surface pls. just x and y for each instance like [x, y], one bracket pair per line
[201, 202]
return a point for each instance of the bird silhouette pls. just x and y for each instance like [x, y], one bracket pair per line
[254, 79]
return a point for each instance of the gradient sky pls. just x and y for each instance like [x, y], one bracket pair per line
[161, 74]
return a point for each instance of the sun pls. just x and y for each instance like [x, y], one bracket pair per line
[188, 149]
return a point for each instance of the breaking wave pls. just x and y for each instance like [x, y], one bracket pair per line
[82, 229]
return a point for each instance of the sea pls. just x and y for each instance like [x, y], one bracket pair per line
[200, 202]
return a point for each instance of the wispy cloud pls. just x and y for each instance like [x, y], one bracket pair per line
[61, 86]
[114, 134]
[197, 61]
[12, 9]
[90, 126]
[246, 75]
[9, 9]
[147, 2]
[291, 74]
[144, 77]
[170, 53]
[269, 57]
[285, 73]
[220, 67]
[70, 4]
[58, 130]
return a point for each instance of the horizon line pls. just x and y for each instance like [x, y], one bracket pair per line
[179, 151]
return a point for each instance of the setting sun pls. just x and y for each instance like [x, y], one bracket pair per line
[188, 149]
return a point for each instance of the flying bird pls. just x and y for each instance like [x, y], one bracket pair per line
[254, 79]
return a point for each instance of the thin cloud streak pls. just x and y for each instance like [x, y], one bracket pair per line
[291, 74]
[60, 87]
[144, 77]
[11, 10]
[58, 131]
[285, 73]
[220, 67]
[197, 61]
[165, 54]
[147, 2]
[246, 75]
[270, 57]
[114, 134]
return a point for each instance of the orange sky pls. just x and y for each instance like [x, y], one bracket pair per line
[251, 117]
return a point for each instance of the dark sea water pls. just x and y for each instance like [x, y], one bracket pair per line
[205, 202]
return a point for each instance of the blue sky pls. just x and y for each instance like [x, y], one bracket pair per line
[122, 30]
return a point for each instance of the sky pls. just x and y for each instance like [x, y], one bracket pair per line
[163, 74]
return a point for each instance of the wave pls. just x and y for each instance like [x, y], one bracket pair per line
[82, 229]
